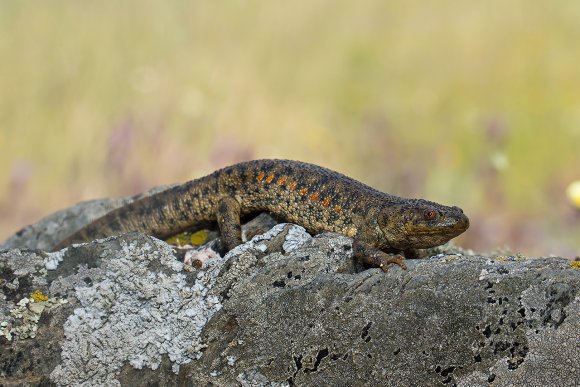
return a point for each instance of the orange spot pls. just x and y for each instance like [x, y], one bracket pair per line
[292, 185]
[314, 196]
[326, 201]
[303, 191]
[337, 209]
[269, 179]
[260, 177]
[282, 180]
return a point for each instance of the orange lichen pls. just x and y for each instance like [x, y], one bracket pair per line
[292, 185]
[337, 209]
[269, 179]
[326, 201]
[38, 296]
[260, 176]
[282, 180]
[314, 196]
[303, 191]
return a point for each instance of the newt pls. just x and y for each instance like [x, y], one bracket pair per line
[381, 225]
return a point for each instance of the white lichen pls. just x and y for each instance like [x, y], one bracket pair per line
[295, 238]
[53, 259]
[199, 258]
[25, 317]
[142, 310]
[253, 377]
[483, 275]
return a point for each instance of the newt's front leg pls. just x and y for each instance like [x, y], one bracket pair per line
[372, 256]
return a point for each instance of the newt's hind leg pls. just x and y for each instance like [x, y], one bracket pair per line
[228, 218]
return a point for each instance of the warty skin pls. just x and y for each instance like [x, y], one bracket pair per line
[309, 195]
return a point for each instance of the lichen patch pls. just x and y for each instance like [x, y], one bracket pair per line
[135, 315]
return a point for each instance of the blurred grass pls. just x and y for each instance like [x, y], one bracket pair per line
[473, 104]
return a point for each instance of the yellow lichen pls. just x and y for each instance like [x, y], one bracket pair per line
[187, 238]
[510, 258]
[179, 239]
[198, 238]
[38, 296]
[575, 264]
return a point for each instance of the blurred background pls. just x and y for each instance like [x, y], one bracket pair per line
[475, 104]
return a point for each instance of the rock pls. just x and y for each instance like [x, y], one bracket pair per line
[282, 309]
[55, 227]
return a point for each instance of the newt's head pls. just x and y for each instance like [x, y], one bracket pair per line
[420, 224]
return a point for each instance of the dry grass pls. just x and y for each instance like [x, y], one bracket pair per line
[475, 104]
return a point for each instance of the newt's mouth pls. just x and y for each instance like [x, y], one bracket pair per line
[451, 228]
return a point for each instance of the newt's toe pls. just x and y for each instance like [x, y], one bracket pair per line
[393, 259]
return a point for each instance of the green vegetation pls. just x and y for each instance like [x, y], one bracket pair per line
[474, 104]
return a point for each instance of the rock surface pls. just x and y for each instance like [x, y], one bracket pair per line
[283, 309]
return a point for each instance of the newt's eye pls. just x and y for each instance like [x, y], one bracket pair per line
[430, 215]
